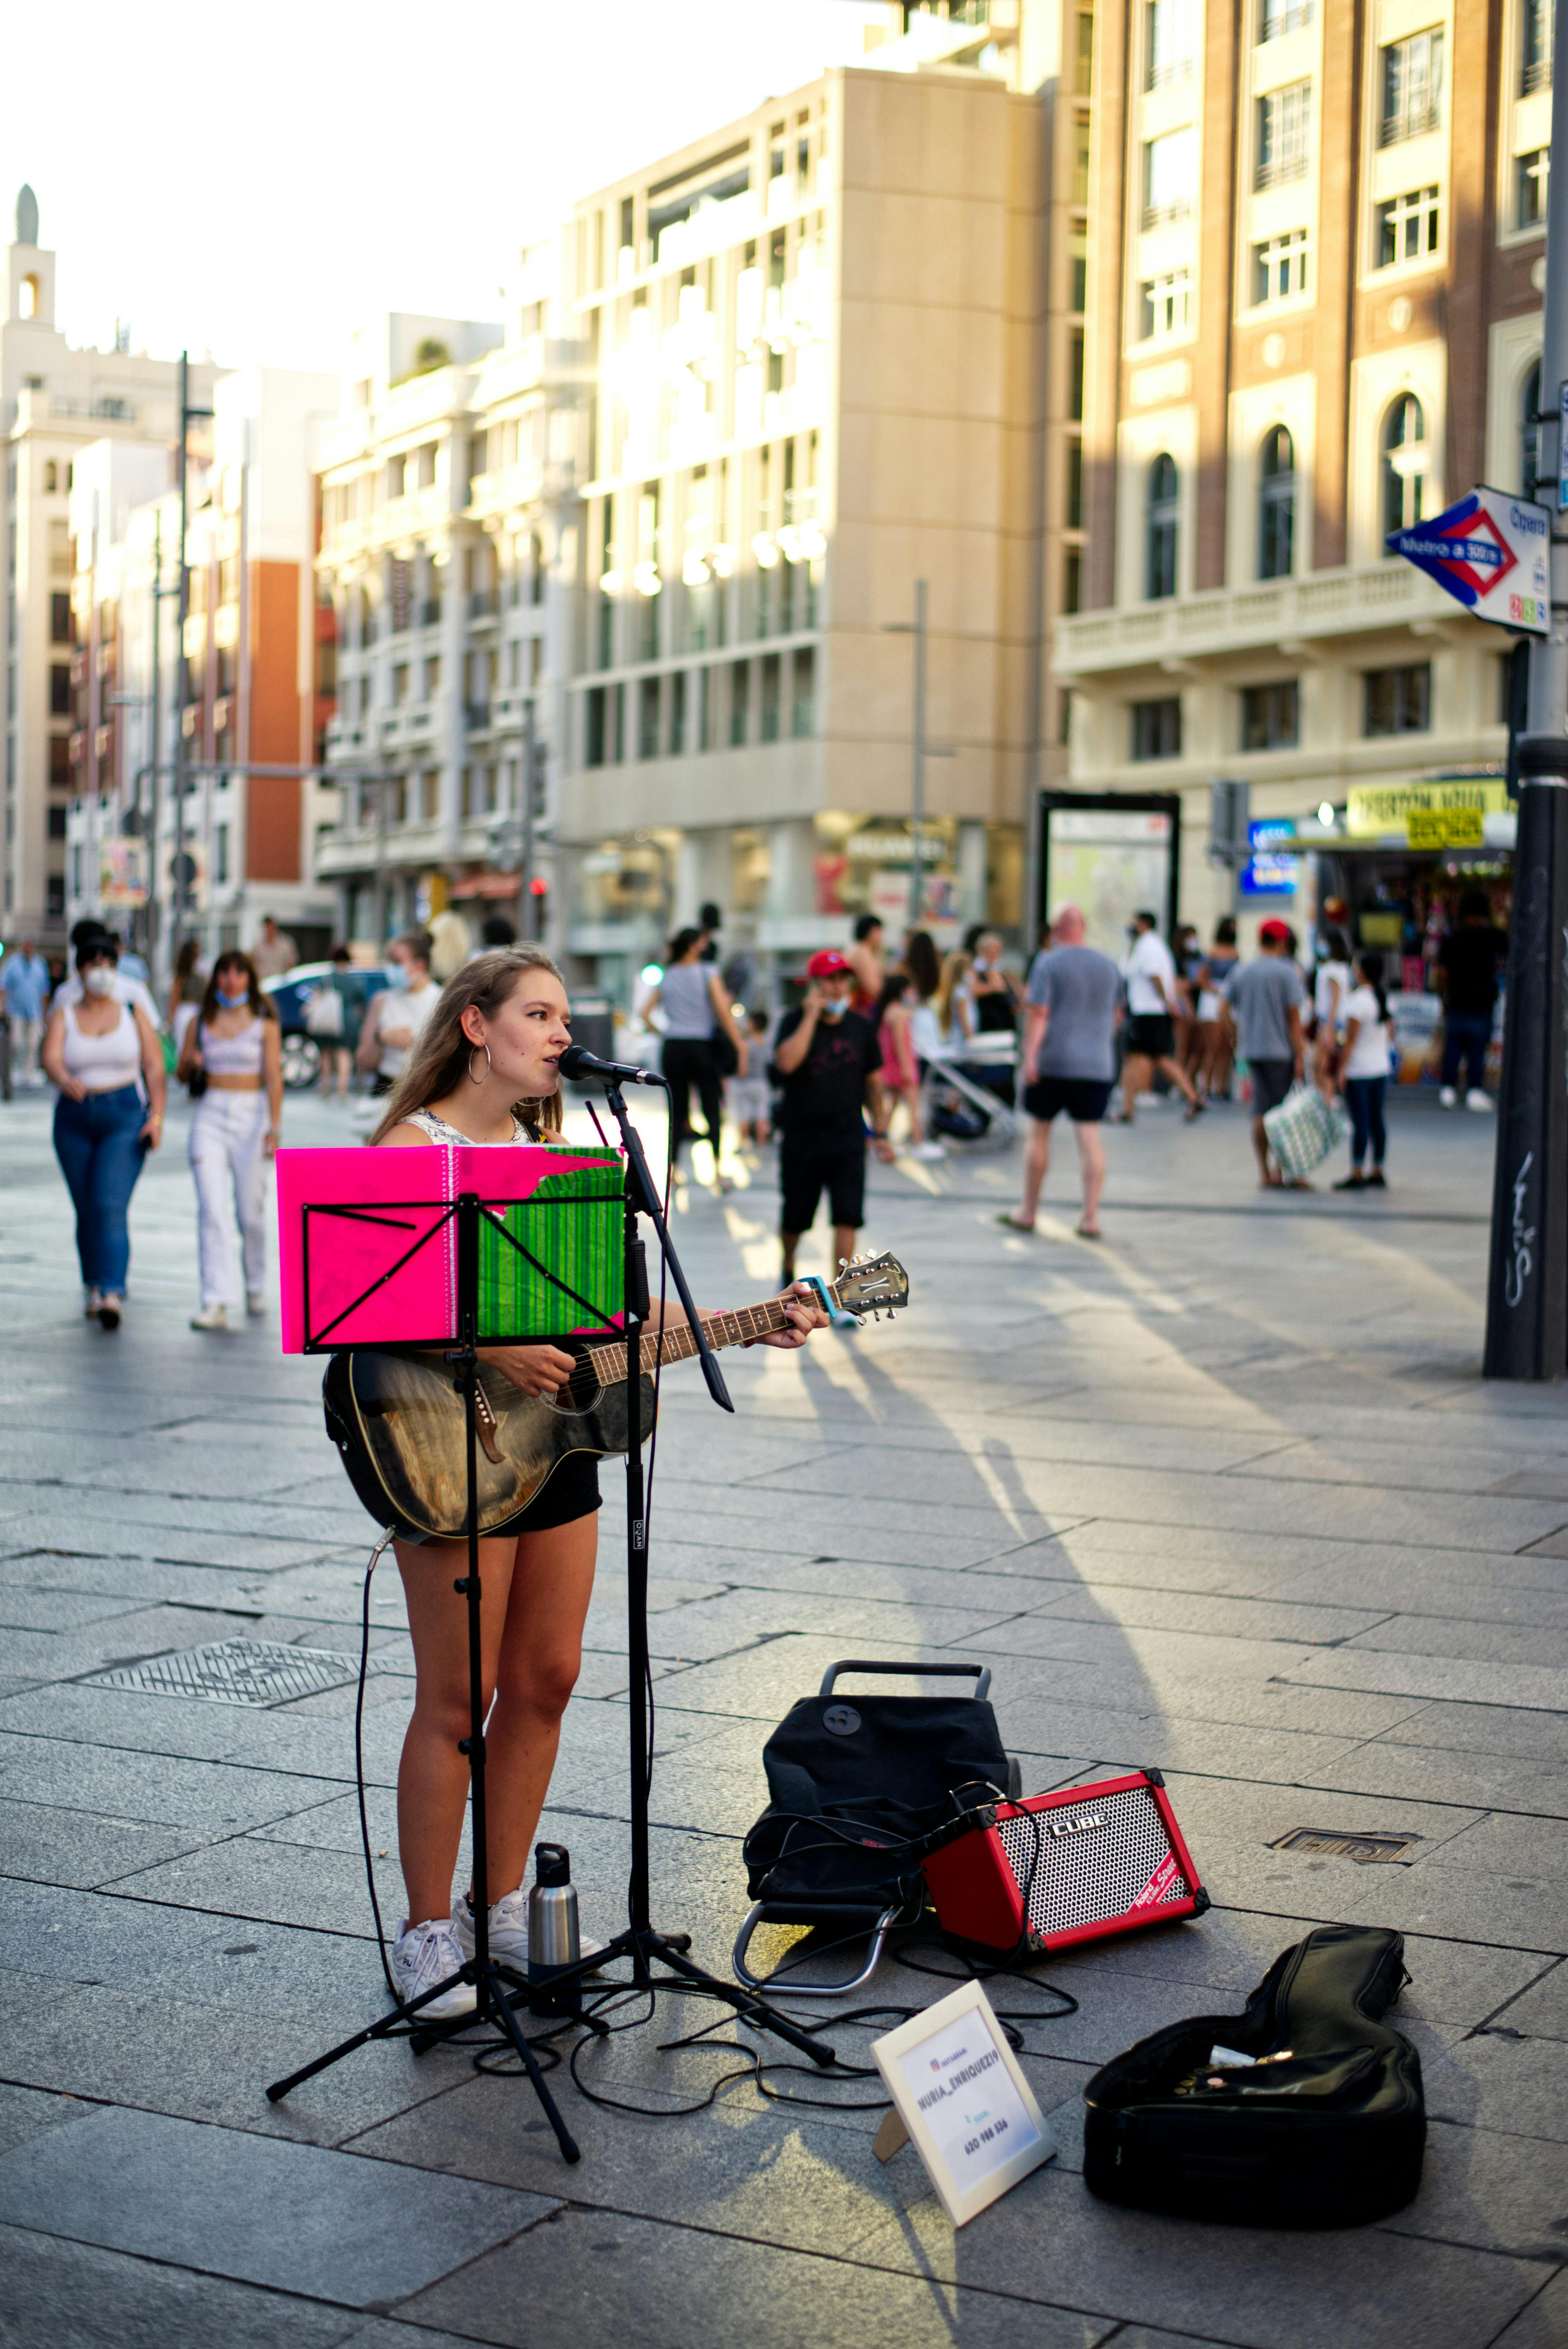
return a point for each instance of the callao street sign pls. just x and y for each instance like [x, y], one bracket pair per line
[1491, 554]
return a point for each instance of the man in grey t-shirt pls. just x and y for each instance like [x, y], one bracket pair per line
[1070, 1011]
[1261, 1006]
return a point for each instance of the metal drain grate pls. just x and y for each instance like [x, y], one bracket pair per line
[1341, 1843]
[234, 1672]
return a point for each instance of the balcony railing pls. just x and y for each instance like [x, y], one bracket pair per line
[484, 602]
[1536, 75]
[1168, 71]
[1278, 175]
[431, 612]
[477, 715]
[1159, 215]
[1410, 122]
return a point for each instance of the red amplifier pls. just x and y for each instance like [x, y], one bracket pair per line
[1084, 1862]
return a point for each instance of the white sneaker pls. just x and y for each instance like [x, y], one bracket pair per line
[1475, 1099]
[423, 1955]
[255, 1303]
[928, 1150]
[91, 1299]
[1447, 1097]
[212, 1316]
[508, 1931]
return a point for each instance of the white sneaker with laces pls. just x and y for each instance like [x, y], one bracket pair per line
[255, 1303]
[1476, 1099]
[1447, 1097]
[423, 1955]
[212, 1316]
[928, 1150]
[508, 1930]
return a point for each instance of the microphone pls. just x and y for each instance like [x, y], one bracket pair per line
[578, 1061]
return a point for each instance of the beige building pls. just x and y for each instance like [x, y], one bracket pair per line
[55, 402]
[1316, 318]
[829, 339]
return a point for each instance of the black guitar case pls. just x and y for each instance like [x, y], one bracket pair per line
[1328, 2131]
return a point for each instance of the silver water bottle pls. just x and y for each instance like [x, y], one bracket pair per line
[554, 1940]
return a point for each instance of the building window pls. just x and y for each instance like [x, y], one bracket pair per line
[1276, 506]
[1075, 485]
[1083, 84]
[1072, 579]
[1531, 482]
[1077, 265]
[221, 853]
[1169, 176]
[1399, 700]
[1284, 127]
[803, 703]
[677, 712]
[1271, 716]
[59, 691]
[1163, 486]
[1407, 227]
[56, 823]
[1404, 464]
[1080, 160]
[1166, 306]
[1279, 267]
[1413, 87]
[1168, 25]
[740, 701]
[648, 717]
[1534, 178]
[1281, 17]
[771, 685]
[1535, 65]
[705, 695]
[593, 727]
[1074, 378]
[59, 619]
[1157, 728]
[51, 478]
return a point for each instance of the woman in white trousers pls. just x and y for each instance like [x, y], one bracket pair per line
[235, 1043]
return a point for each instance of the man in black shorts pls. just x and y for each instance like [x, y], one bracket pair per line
[829, 1058]
[1150, 972]
[1070, 1010]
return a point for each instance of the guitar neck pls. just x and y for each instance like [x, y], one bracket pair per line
[677, 1343]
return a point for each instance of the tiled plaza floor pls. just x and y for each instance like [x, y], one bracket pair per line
[1225, 1495]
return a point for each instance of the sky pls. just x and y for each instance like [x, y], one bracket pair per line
[257, 182]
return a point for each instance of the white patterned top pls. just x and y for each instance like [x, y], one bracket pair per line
[439, 1131]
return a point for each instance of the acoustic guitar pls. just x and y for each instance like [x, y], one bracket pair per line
[399, 1422]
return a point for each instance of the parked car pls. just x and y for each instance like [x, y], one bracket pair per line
[292, 994]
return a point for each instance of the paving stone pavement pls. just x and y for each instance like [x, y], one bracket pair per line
[1225, 1494]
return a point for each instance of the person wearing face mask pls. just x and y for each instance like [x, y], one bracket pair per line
[829, 1058]
[394, 1018]
[105, 1057]
[235, 1043]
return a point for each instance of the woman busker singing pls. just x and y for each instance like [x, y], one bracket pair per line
[484, 1070]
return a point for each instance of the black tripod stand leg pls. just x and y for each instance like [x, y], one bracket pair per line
[387, 2023]
[507, 2020]
[755, 2010]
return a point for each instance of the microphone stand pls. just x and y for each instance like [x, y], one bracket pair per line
[640, 1942]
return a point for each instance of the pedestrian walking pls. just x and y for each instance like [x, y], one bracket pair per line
[25, 985]
[104, 1055]
[274, 952]
[1213, 1074]
[1330, 993]
[236, 1045]
[867, 957]
[903, 1069]
[829, 1062]
[1364, 1072]
[187, 985]
[992, 991]
[1263, 1000]
[698, 1012]
[1187, 955]
[1150, 973]
[953, 1003]
[1072, 1003]
[395, 1016]
[126, 989]
[750, 1099]
[332, 1016]
[1469, 961]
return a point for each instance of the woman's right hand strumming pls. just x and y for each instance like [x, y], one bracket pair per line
[533, 1369]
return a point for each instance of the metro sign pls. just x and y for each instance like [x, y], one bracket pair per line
[1490, 551]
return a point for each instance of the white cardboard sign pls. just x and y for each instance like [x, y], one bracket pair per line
[960, 2094]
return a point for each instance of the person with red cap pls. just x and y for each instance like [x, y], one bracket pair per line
[829, 1058]
[1260, 1006]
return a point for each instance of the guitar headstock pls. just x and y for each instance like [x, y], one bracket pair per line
[872, 1284]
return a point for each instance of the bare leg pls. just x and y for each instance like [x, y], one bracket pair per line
[540, 1656]
[1137, 1074]
[1261, 1144]
[844, 1237]
[788, 1242]
[1092, 1171]
[1180, 1079]
[1036, 1165]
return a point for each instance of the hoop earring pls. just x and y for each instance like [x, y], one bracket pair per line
[486, 1051]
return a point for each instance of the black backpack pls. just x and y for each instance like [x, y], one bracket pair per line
[1325, 2126]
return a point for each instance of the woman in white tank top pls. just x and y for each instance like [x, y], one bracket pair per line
[234, 1047]
[105, 1057]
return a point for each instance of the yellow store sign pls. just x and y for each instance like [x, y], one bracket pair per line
[1426, 815]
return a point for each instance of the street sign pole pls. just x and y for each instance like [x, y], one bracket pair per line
[1527, 1294]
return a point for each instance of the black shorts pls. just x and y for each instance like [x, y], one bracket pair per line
[1150, 1036]
[1272, 1079]
[1083, 1098]
[803, 1177]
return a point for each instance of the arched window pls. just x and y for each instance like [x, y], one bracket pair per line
[1276, 506]
[1530, 485]
[1162, 495]
[1404, 464]
[30, 295]
[51, 473]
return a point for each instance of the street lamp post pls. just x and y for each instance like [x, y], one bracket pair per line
[1527, 1294]
[922, 751]
[188, 416]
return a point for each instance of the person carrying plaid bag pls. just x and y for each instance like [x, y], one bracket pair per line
[1260, 1006]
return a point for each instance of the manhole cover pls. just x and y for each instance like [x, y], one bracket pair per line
[234, 1672]
[1341, 1843]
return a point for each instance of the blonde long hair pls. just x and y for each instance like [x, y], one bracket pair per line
[438, 1056]
[955, 969]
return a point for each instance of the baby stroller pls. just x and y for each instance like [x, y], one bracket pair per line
[856, 1790]
[971, 1100]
